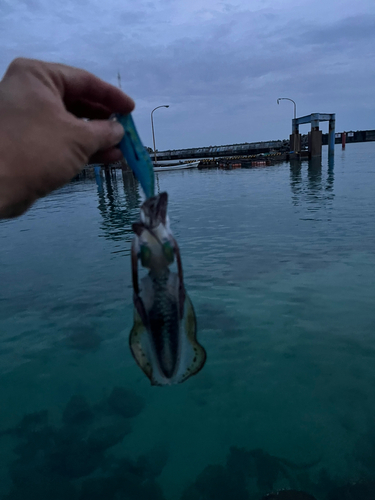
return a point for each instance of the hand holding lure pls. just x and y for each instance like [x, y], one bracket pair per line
[163, 338]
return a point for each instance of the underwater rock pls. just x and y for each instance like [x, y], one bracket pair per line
[289, 495]
[99, 488]
[124, 466]
[77, 411]
[150, 490]
[131, 490]
[63, 453]
[50, 456]
[363, 490]
[131, 483]
[84, 339]
[125, 402]
[37, 486]
[73, 459]
[221, 483]
[268, 469]
[153, 463]
[216, 483]
[29, 424]
[37, 442]
[240, 463]
[23, 471]
[322, 484]
[105, 437]
[51, 459]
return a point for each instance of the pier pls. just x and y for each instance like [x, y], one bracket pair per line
[245, 149]
[315, 136]
[258, 153]
[264, 147]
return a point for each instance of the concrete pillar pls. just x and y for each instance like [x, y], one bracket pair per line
[295, 142]
[315, 142]
[314, 121]
[294, 126]
[331, 135]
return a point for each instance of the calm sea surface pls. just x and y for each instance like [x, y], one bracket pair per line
[280, 265]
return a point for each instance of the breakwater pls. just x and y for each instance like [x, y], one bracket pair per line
[357, 136]
[245, 149]
[256, 148]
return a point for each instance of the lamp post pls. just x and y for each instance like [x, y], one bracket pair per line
[152, 126]
[295, 138]
[295, 111]
[287, 99]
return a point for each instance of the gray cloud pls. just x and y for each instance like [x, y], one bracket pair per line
[221, 67]
[343, 34]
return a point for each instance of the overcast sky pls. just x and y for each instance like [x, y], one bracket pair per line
[219, 65]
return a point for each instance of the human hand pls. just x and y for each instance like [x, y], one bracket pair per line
[44, 142]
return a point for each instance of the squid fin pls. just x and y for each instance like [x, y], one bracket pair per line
[192, 355]
[198, 354]
[137, 345]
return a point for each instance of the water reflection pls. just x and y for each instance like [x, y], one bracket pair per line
[157, 183]
[296, 180]
[330, 176]
[119, 199]
[310, 186]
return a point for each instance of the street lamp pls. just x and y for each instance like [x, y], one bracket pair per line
[152, 126]
[287, 99]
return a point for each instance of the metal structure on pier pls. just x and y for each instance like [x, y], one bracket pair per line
[315, 136]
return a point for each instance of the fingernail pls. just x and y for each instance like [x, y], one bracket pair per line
[117, 130]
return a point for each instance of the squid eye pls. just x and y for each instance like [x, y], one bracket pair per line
[168, 252]
[145, 254]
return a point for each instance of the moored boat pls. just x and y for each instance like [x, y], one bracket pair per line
[178, 166]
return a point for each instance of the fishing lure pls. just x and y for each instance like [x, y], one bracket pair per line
[136, 155]
[163, 339]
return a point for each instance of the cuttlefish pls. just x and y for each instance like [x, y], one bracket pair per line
[163, 339]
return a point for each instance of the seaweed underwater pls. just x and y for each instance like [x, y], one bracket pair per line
[73, 461]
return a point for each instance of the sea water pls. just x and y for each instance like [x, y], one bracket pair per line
[279, 262]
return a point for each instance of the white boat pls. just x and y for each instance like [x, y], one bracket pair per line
[179, 166]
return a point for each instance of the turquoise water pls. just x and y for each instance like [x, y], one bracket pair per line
[280, 265]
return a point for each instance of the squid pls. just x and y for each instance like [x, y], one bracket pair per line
[163, 339]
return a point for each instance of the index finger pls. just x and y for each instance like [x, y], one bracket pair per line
[77, 85]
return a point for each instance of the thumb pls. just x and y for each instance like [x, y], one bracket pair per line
[102, 135]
